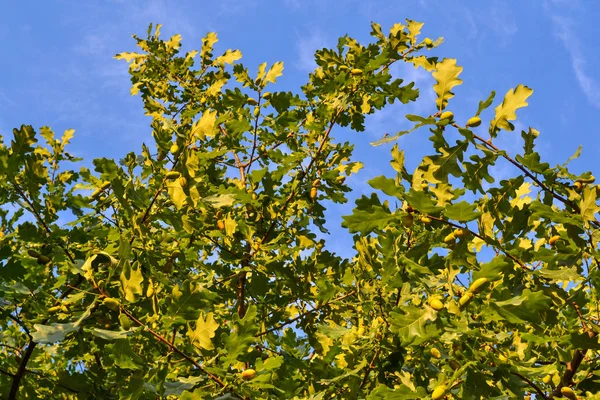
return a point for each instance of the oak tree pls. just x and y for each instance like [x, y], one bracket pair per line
[199, 267]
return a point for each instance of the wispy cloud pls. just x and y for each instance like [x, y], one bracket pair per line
[564, 31]
[502, 21]
[306, 47]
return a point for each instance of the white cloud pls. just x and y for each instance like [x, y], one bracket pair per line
[564, 31]
[306, 47]
[502, 21]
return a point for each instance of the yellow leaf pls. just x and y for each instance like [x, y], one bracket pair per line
[67, 136]
[514, 99]
[208, 42]
[414, 28]
[176, 193]
[229, 57]
[174, 42]
[131, 281]
[446, 75]
[129, 56]
[204, 331]
[205, 125]
[275, 71]
[423, 62]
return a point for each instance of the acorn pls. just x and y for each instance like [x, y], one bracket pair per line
[54, 309]
[449, 238]
[478, 285]
[110, 303]
[460, 232]
[248, 374]
[473, 122]
[125, 322]
[43, 260]
[553, 240]
[465, 299]
[33, 253]
[438, 392]
[173, 175]
[356, 71]
[568, 392]
[447, 115]
[436, 304]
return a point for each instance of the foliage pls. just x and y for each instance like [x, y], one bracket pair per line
[196, 270]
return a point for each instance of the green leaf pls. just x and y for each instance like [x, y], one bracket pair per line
[588, 205]
[222, 200]
[410, 322]
[122, 355]
[569, 274]
[112, 335]
[485, 104]
[204, 331]
[387, 186]
[368, 217]
[494, 269]
[176, 388]
[53, 333]
[528, 306]
[399, 392]
[462, 212]
[505, 112]
[237, 342]
[446, 75]
[421, 201]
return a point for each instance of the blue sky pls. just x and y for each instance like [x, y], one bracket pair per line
[58, 69]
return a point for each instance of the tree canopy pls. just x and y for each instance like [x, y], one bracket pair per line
[199, 267]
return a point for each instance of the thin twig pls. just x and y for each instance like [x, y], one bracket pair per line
[532, 384]
[300, 316]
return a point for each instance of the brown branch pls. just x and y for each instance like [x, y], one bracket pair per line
[572, 366]
[212, 377]
[530, 383]
[370, 368]
[51, 380]
[21, 324]
[13, 348]
[531, 176]
[291, 321]
[304, 173]
[6, 373]
[505, 252]
[14, 387]
[255, 134]
[238, 163]
[241, 293]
